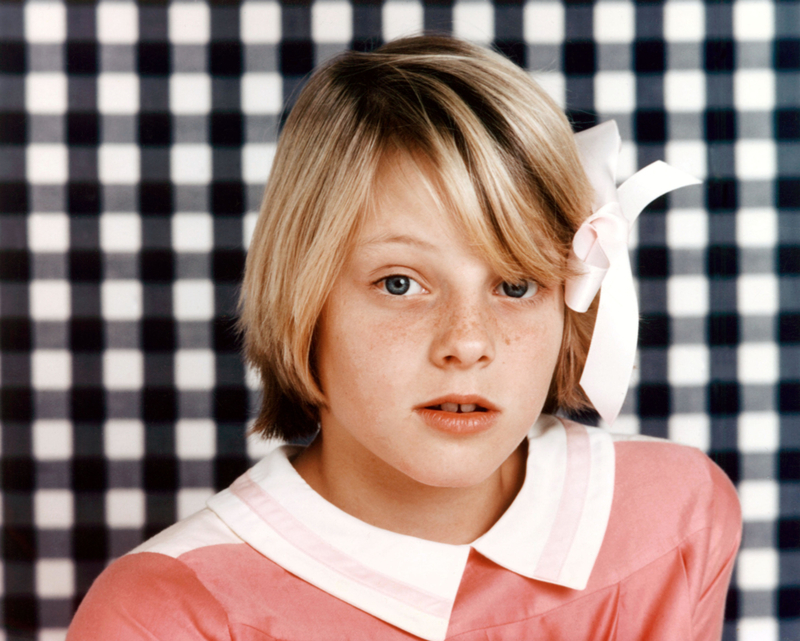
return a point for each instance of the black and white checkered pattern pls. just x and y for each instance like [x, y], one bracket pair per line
[135, 140]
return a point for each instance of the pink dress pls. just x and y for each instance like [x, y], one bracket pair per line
[609, 538]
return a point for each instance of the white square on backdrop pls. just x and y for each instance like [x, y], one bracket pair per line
[48, 232]
[192, 232]
[685, 90]
[614, 22]
[121, 299]
[45, 22]
[614, 91]
[194, 369]
[554, 83]
[757, 629]
[757, 294]
[262, 93]
[401, 18]
[189, 93]
[331, 21]
[190, 164]
[48, 634]
[473, 20]
[193, 299]
[260, 22]
[688, 155]
[687, 228]
[52, 440]
[687, 295]
[118, 93]
[757, 569]
[52, 509]
[757, 363]
[196, 439]
[120, 232]
[123, 369]
[257, 161]
[46, 93]
[50, 300]
[118, 164]
[117, 23]
[192, 500]
[754, 89]
[51, 369]
[46, 163]
[758, 432]
[756, 227]
[125, 508]
[248, 227]
[688, 364]
[693, 430]
[543, 22]
[55, 578]
[756, 159]
[252, 379]
[753, 20]
[123, 439]
[684, 21]
[189, 23]
[759, 499]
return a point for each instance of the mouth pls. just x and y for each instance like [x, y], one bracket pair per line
[460, 404]
[459, 415]
[458, 408]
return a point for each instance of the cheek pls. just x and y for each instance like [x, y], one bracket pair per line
[536, 343]
[362, 359]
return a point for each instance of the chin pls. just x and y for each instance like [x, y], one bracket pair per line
[456, 475]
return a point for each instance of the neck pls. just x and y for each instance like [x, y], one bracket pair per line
[390, 500]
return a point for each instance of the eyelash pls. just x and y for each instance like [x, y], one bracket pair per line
[381, 284]
[530, 296]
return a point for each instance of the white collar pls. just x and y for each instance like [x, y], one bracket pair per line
[552, 531]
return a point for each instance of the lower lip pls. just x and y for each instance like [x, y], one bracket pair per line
[458, 423]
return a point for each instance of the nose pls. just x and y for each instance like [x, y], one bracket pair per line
[464, 336]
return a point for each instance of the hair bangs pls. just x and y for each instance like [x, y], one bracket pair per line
[475, 174]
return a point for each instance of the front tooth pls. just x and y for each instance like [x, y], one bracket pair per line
[468, 407]
[449, 407]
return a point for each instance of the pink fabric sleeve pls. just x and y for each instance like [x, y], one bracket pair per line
[722, 545]
[148, 596]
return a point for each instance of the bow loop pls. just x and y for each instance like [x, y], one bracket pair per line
[600, 261]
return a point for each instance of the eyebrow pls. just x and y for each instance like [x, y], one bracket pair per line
[403, 239]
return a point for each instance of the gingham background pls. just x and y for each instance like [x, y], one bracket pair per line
[135, 141]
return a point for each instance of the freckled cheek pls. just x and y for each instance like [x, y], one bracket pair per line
[378, 356]
[536, 342]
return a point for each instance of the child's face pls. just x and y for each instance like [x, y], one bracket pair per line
[417, 319]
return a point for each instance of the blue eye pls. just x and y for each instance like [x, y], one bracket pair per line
[399, 285]
[525, 289]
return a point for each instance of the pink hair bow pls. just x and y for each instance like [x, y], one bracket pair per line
[600, 257]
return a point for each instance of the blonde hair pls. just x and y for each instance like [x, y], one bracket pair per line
[500, 154]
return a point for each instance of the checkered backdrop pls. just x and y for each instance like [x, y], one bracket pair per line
[135, 142]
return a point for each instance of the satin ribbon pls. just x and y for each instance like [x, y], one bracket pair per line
[600, 258]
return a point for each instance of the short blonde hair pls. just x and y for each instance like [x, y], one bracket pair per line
[499, 152]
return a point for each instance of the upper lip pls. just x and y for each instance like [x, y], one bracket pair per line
[460, 399]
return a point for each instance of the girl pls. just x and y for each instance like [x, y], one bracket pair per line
[418, 300]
